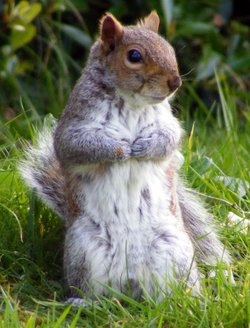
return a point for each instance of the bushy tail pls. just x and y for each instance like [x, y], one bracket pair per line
[201, 227]
[41, 170]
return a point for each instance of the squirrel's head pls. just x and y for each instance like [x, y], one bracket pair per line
[139, 60]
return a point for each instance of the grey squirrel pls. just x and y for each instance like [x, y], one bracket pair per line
[110, 170]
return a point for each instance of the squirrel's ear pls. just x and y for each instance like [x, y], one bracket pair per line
[110, 31]
[151, 22]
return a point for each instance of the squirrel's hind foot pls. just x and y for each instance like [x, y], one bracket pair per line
[79, 302]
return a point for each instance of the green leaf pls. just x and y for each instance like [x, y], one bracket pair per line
[240, 62]
[26, 11]
[167, 6]
[80, 5]
[32, 13]
[23, 66]
[76, 34]
[19, 38]
[11, 64]
[237, 185]
[190, 28]
[31, 323]
[62, 318]
[208, 63]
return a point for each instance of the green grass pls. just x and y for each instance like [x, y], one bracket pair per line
[216, 148]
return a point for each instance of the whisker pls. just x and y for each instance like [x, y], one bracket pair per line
[189, 80]
[190, 71]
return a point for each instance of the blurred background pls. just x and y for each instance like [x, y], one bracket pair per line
[44, 45]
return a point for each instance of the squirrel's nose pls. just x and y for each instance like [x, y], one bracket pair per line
[174, 82]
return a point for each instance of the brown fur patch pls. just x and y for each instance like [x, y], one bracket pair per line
[101, 168]
[118, 152]
[73, 206]
[73, 209]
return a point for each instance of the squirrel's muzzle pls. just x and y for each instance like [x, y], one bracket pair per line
[174, 83]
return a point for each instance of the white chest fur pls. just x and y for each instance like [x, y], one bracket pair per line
[127, 229]
[117, 187]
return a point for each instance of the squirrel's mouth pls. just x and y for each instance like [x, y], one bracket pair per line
[158, 98]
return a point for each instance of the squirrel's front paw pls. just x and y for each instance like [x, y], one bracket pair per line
[142, 147]
[122, 151]
[156, 146]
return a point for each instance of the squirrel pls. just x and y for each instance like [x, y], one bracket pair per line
[110, 167]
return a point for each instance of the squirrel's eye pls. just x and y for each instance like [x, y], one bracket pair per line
[134, 56]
